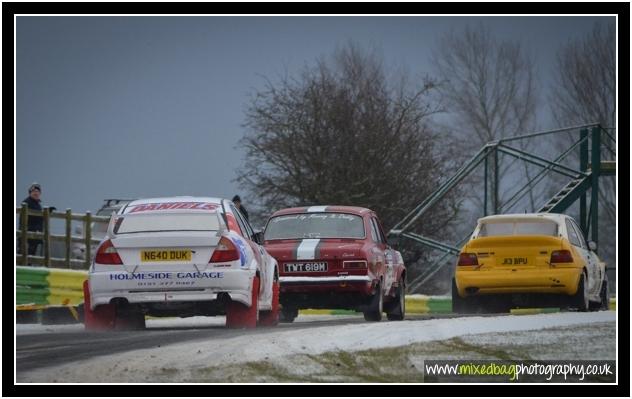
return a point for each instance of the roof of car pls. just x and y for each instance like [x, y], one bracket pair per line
[557, 217]
[163, 200]
[356, 210]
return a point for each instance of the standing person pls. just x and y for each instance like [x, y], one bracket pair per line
[35, 223]
[237, 202]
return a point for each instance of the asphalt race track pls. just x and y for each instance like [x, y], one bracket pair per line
[57, 348]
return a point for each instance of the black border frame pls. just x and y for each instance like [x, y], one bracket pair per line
[623, 11]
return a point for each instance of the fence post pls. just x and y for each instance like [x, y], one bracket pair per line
[88, 238]
[485, 187]
[68, 235]
[496, 180]
[594, 191]
[24, 218]
[583, 166]
[46, 243]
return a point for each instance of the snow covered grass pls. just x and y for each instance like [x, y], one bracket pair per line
[405, 363]
[243, 357]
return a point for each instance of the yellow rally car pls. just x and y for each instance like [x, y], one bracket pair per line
[524, 260]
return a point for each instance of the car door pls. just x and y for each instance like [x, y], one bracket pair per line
[594, 271]
[576, 239]
[258, 252]
[389, 256]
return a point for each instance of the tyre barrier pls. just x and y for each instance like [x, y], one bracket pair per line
[48, 295]
[415, 304]
[422, 304]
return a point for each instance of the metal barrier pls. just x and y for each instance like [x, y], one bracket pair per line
[24, 259]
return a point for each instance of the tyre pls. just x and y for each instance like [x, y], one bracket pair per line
[239, 315]
[101, 318]
[376, 307]
[398, 311]
[270, 318]
[579, 300]
[604, 296]
[459, 304]
[288, 314]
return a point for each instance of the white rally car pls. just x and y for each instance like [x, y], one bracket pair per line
[180, 256]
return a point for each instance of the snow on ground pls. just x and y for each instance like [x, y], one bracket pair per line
[164, 323]
[275, 343]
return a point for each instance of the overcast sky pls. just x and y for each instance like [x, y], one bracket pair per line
[118, 107]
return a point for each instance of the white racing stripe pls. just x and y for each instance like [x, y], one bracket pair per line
[317, 208]
[307, 249]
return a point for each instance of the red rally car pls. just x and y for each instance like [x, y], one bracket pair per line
[335, 257]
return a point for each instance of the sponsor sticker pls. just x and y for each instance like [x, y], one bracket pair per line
[204, 206]
[165, 275]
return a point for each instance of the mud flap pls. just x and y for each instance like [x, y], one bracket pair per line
[239, 315]
[101, 318]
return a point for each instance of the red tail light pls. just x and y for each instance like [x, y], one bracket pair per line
[107, 254]
[562, 256]
[354, 264]
[226, 251]
[467, 259]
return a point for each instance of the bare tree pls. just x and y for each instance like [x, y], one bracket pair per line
[340, 132]
[585, 92]
[585, 79]
[489, 90]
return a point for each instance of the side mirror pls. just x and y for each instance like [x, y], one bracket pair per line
[592, 246]
[392, 241]
[258, 237]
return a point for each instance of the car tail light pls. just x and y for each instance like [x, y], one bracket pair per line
[225, 251]
[354, 264]
[107, 254]
[561, 256]
[467, 259]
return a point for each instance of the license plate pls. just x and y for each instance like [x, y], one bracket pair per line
[165, 255]
[515, 261]
[306, 267]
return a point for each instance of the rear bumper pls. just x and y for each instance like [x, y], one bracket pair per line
[545, 281]
[340, 292]
[336, 283]
[170, 287]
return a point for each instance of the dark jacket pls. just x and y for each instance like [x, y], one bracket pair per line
[35, 223]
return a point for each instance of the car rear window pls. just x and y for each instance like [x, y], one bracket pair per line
[166, 222]
[315, 225]
[528, 228]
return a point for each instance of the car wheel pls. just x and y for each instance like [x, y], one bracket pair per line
[239, 315]
[270, 318]
[376, 307]
[604, 296]
[459, 304]
[399, 311]
[288, 314]
[580, 301]
[101, 318]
